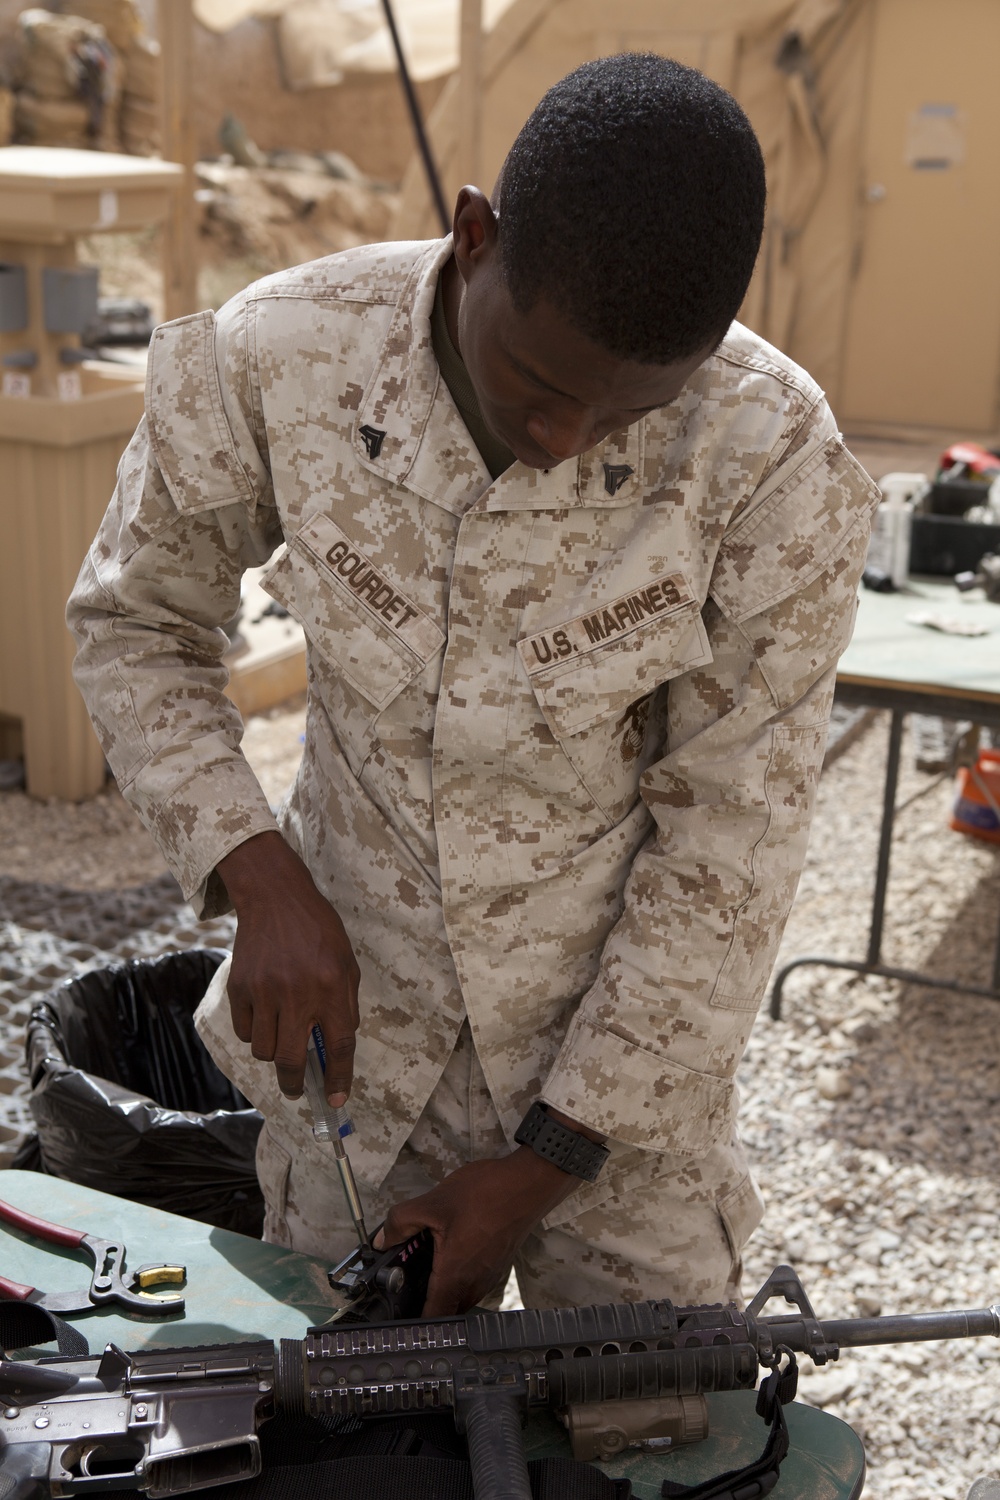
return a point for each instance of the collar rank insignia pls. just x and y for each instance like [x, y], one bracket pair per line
[615, 476]
[374, 437]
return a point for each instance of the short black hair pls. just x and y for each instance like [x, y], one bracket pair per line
[633, 202]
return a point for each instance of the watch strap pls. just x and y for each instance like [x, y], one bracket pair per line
[563, 1147]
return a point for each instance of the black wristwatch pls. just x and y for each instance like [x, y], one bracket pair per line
[563, 1147]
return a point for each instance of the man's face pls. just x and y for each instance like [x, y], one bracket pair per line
[546, 390]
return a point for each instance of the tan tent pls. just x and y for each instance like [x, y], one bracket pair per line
[323, 41]
[880, 122]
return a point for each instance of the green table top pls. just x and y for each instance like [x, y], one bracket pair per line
[826, 1460]
[887, 648]
[239, 1288]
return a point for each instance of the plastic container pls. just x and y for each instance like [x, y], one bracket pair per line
[976, 809]
[947, 545]
[889, 549]
[126, 1098]
[953, 497]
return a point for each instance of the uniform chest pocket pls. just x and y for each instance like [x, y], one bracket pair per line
[594, 679]
[361, 624]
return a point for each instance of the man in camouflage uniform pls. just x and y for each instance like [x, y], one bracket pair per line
[575, 560]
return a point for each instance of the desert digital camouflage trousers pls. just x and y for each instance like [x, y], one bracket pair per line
[681, 1236]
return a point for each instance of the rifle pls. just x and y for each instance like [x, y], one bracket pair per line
[169, 1421]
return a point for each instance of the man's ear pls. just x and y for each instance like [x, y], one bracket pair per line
[474, 230]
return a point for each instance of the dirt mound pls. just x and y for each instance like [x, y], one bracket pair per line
[277, 216]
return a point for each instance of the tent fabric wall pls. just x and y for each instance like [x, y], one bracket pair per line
[802, 82]
[826, 248]
[798, 68]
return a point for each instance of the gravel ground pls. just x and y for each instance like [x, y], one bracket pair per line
[870, 1112]
[870, 1109]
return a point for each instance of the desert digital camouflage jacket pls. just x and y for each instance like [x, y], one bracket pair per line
[564, 729]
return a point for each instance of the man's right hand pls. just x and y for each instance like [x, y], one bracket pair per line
[293, 967]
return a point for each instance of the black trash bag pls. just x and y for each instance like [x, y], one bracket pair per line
[28, 1156]
[127, 1099]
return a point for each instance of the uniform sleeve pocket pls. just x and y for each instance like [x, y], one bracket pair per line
[361, 624]
[188, 428]
[793, 768]
[591, 669]
[790, 538]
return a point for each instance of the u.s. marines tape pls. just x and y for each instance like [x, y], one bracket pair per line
[610, 621]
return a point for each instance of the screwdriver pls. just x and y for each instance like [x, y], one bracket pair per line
[333, 1125]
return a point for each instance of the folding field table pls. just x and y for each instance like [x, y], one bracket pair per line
[239, 1288]
[910, 669]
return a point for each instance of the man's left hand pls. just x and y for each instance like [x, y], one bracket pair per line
[479, 1216]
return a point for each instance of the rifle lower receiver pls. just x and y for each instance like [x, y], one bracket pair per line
[164, 1422]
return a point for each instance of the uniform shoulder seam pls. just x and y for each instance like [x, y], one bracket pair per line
[357, 277]
[302, 291]
[786, 374]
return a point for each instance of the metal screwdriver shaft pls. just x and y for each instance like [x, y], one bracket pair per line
[333, 1125]
[350, 1189]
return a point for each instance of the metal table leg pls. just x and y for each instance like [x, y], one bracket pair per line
[872, 963]
[885, 836]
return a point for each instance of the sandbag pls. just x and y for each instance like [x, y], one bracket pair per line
[52, 122]
[120, 19]
[6, 116]
[68, 60]
[142, 69]
[139, 116]
[54, 47]
[140, 126]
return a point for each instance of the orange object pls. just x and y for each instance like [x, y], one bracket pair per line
[976, 809]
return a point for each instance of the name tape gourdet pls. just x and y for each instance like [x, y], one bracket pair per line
[377, 595]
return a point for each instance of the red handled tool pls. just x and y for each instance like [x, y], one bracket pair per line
[110, 1282]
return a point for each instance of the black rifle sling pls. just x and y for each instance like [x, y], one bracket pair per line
[416, 1458]
[759, 1477]
[363, 1477]
[749, 1483]
[375, 1477]
[566, 1479]
[24, 1324]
